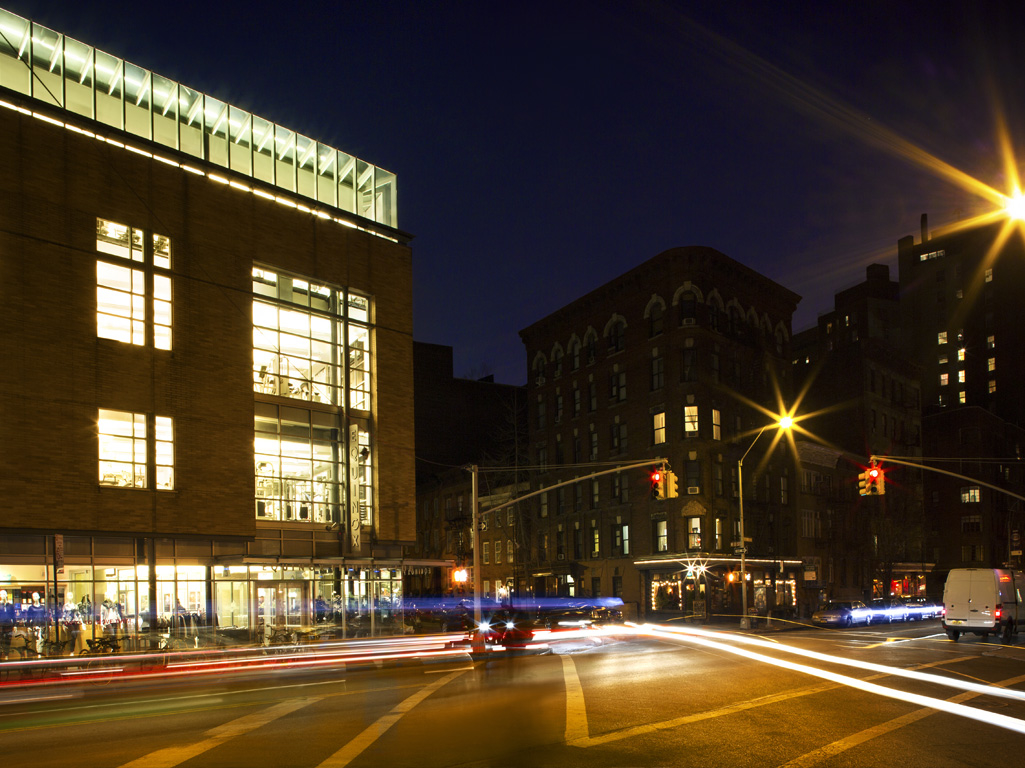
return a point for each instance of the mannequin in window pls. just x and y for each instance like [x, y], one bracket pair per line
[71, 620]
[36, 611]
[6, 621]
[85, 609]
[110, 615]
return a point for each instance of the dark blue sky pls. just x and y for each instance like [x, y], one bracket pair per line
[542, 149]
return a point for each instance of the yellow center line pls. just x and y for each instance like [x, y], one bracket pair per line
[376, 730]
[172, 756]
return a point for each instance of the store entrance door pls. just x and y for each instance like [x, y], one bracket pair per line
[282, 605]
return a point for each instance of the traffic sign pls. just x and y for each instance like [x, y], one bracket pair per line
[740, 551]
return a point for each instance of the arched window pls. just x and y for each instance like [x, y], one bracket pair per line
[617, 336]
[538, 369]
[556, 362]
[688, 308]
[591, 345]
[574, 355]
[656, 319]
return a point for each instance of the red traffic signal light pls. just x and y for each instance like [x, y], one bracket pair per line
[658, 484]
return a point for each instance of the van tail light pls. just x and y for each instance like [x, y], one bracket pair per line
[998, 612]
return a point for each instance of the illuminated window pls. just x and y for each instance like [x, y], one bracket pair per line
[971, 494]
[941, 337]
[310, 342]
[661, 536]
[302, 465]
[694, 533]
[961, 397]
[124, 450]
[943, 360]
[944, 379]
[960, 354]
[961, 376]
[508, 550]
[690, 421]
[992, 386]
[129, 289]
[716, 424]
[659, 427]
[989, 275]
[991, 342]
[991, 364]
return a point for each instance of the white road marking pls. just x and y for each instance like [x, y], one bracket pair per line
[172, 756]
[376, 730]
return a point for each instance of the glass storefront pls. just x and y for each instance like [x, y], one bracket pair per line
[198, 605]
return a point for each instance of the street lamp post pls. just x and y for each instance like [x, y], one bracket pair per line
[783, 423]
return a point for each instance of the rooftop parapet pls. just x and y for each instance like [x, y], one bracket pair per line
[62, 72]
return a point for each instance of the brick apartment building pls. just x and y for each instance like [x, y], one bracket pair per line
[964, 325]
[675, 359]
[207, 393]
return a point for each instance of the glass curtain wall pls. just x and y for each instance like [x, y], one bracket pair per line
[57, 70]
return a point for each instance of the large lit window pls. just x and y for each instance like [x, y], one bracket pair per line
[127, 290]
[971, 494]
[124, 450]
[661, 536]
[690, 420]
[300, 463]
[305, 336]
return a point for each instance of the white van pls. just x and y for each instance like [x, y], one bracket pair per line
[985, 601]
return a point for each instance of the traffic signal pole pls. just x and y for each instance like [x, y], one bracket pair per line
[920, 465]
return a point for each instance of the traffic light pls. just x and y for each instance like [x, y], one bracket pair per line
[872, 482]
[671, 485]
[658, 484]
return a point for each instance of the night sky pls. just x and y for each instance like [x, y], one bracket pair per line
[542, 149]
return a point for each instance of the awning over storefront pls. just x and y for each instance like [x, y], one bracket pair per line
[679, 562]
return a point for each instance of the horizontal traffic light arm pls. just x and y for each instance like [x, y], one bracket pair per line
[646, 463]
[919, 465]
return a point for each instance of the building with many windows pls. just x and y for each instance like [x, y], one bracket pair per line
[682, 358]
[964, 324]
[207, 395]
[865, 394]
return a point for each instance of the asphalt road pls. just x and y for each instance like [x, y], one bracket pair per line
[861, 697]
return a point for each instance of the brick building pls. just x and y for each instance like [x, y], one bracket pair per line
[865, 393]
[681, 358]
[208, 341]
[964, 325]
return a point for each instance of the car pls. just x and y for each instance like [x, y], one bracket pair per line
[886, 611]
[922, 608]
[842, 613]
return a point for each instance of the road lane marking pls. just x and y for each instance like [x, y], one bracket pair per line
[376, 730]
[576, 711]
[578, 734]
[831, 750]
[172, 756]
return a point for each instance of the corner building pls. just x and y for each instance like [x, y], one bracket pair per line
[207, 397]
[680, 358]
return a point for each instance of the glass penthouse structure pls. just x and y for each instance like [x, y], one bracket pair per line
[243, 501]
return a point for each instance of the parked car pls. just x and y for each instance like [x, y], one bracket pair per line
[886, 611]
[842, 613]
[922, 608]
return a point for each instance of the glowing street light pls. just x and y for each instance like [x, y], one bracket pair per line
[784, 424]
[1015, 206]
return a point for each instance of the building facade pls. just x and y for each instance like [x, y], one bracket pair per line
[462, 422]
[965, 326]
[685, 358]
[865, 394]
[211, 415]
